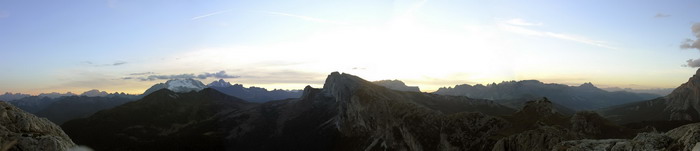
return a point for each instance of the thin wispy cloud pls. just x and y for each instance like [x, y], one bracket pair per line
[142, 73]
[517, 27]
[522, 22]
[661, 15]
[306, 18]
[209, 15]
[116, 63]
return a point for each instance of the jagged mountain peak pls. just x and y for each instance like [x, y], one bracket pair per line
[177, 85]
[307, 92]
[396, 85]
[219, 83]
[183, 84]
[338, 84]
[587, 85]
[95, 92]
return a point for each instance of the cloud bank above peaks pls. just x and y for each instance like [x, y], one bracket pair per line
[692, 44]
[150, 76]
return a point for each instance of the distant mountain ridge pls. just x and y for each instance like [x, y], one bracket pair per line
[583, 97]
[350, 113]
[162, 120]
[253, 94]
[12, 96]
[16, 96]
[348, 109]
[61, 109]
[73, 107]
[657, 91]
[94, 92]
[683, 104]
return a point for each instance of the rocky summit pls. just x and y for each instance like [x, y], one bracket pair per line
[22, 131]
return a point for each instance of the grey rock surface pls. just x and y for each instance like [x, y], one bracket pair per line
[542, 138]
[20, 130]
[684, 138]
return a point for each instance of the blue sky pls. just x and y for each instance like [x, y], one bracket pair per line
[90, 44]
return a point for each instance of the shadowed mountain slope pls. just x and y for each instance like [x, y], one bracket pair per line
[349, 113]
[163, 120]
[683, 104]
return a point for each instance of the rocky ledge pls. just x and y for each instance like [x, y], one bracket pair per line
[20, 130]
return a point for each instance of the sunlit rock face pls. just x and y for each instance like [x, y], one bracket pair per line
[24, 131]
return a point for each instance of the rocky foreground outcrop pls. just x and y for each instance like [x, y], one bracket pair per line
[20, 130]
[684, 138]
[542, 138]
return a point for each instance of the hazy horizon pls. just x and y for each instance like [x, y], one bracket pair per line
[320, 85]
[127, 46]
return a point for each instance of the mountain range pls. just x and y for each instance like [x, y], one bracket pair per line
[657, 91]
[15, 96]
[583, 97]
[59, 110]
[253, 94]
[64, 108]
[348, 109]
[350, 113]
[683, 104]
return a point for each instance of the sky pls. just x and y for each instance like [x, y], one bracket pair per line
[129, 45]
